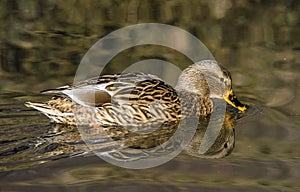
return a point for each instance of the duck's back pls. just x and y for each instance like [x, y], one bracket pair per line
[124, 99]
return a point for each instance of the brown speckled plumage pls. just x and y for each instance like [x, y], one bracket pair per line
[137, 98]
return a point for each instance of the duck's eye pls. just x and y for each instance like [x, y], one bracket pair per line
[222, 79]
[225, 145]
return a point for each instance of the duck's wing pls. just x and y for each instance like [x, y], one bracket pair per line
[129, 88]
[125, 99]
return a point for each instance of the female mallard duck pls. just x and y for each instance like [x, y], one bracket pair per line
[139, 98]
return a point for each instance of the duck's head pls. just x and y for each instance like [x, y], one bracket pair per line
[208, 78]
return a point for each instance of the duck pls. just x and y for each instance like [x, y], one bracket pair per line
[139, 99]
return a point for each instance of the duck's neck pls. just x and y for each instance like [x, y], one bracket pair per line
[194, 102]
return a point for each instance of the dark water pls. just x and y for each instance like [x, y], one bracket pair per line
[42, 43]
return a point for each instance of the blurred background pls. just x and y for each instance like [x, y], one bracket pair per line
[42, 43]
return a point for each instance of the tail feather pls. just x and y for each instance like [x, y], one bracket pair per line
[47, 110]
[54, 114]
[44, 108]
[56, 90]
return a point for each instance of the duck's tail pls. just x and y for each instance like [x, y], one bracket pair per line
[54, 114]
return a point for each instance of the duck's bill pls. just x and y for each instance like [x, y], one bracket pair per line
[233, 101]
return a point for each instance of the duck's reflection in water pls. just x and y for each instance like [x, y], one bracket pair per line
[127, 144]
[219, 147]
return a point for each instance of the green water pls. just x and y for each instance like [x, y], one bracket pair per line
[42, 43]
